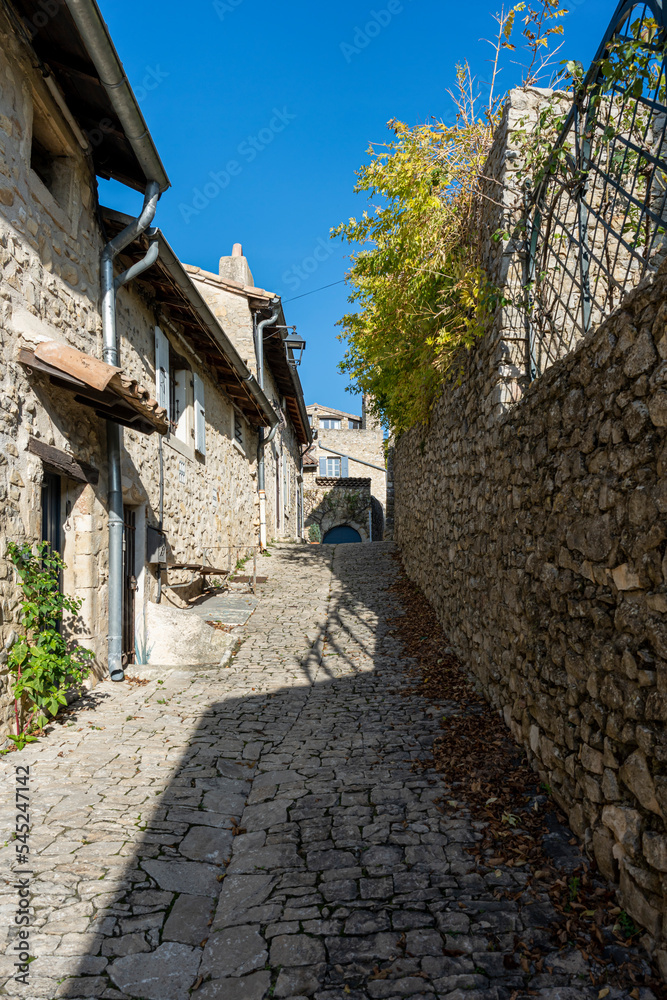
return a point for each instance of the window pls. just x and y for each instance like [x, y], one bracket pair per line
[330, 424]
[180, 386]
[354, 425]
[181, 392]
[50, 154]
[238, 429]
[334, 467]
[310, 419]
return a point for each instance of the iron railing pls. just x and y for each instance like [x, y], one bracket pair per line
[595, 223]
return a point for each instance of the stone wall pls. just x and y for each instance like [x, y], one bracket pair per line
[282, 459]
[49, 288]
[367, 445]
[539, 536]
[49, 253]
[329, 502]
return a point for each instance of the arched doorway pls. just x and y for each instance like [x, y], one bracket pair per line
[341, 533]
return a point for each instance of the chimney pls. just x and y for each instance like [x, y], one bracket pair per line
[235, 268]
[368, 421]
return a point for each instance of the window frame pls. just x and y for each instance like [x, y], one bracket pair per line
[238, 422]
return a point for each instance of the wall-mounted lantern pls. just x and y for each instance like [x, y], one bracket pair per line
[294, 346]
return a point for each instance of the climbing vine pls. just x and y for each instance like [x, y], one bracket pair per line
[41, 661]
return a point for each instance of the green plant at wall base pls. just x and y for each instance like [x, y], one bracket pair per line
[314, 533]
[42, 663]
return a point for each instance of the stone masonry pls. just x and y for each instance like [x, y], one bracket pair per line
[328, 502]
[365, 442]
[539, 536]
[50, 245]
[264, 830]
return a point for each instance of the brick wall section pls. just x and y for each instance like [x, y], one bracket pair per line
[540, 539]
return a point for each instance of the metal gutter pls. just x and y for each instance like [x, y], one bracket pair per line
[294, 375]
[110, 286]
[95, 35]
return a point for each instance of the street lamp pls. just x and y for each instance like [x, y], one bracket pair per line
[294, 346]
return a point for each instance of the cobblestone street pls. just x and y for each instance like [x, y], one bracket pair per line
[291, 771]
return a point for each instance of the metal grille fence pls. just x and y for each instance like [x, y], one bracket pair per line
[596, 220]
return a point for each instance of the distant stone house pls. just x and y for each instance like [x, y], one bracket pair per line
[240, 308]
[149, 436]
[345, 479]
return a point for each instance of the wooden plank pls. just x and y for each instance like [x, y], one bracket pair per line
[63, 463]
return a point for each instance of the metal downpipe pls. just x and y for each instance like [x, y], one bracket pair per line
[261, 440]
[114, 438]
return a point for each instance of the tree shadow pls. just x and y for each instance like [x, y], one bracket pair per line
[297, 846]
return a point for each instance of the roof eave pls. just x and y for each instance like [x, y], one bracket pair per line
[95, 34]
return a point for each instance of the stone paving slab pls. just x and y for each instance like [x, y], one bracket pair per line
[228, 608]
[260, 830]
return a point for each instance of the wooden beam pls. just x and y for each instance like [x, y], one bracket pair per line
[63, 463]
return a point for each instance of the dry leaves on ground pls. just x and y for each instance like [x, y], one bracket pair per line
[489, 776]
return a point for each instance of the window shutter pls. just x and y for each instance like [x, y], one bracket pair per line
[344, 467]
[323, 466]
[200, 420]
[162, 370]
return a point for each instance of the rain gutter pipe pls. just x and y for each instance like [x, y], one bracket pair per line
[110, 286]
[261, 440]
[95, 34]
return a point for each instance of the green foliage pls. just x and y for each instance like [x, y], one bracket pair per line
[417, 277]
[418, 284]
[314, 533]
[627, 925]
[42, 663]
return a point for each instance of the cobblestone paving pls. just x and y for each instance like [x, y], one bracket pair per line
[345, 880]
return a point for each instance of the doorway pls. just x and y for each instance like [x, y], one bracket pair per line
[51, 526]
[129, 582]
[340, 534]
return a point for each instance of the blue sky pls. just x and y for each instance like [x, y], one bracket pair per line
[279, 103]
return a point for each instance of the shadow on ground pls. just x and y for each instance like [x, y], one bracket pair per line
[263, 831]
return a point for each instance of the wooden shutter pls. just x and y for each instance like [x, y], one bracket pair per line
[344, 467]
[200, 419]
[162, 392]
[323, 466]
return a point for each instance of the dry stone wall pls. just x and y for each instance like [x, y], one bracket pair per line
[539, 536]
[533, 516]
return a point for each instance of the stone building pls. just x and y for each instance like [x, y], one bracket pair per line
[129, 421]
[246, 312]
[347, 450]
